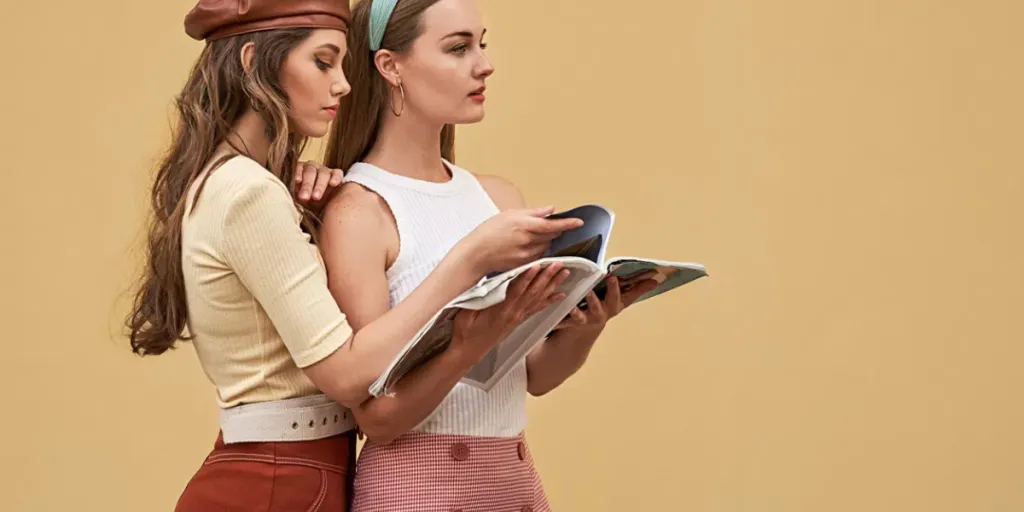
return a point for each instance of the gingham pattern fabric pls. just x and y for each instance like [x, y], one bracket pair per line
[422, 472]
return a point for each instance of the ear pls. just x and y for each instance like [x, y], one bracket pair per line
[247, 54]
[388, 66]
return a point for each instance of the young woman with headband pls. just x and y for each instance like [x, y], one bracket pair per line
[418, 68]
[230, 263]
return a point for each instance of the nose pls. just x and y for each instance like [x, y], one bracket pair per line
[340, 86]
[485, 69]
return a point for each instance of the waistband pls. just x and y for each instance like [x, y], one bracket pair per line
[294, 419]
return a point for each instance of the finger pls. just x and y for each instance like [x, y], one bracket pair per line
[308, 181]
[613, 299]
[541, 226]
[541, 305]
[540, 212]
[323, 177]
[538, 287]
[542, 238]
[337, 176]
[555, 283]
[519, 285]
[575, 318]
[594, 307]
[578, 316]
[641, 288]
[521, 282]
[542, 299]
[297, 178]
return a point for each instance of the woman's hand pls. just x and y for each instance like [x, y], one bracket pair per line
[561, 355]
[313, 184]
[599, 312]
[512, 238]
[532, 291]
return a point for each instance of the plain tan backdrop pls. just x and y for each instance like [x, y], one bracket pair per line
[848, 170]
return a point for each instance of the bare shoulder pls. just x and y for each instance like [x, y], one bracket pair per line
[503, 192]
[355, 205]
[358, 229]
[355, 213]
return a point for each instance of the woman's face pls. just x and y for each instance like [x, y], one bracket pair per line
[314, 82]
[444, 71]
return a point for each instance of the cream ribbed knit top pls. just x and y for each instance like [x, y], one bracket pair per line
[431, 218]
[259, 306]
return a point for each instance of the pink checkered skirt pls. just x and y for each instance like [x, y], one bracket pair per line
[420, 472]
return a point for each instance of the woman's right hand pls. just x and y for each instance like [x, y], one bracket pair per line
[513, 238]
[477, 331]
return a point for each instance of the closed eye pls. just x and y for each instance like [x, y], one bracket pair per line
[334, 51]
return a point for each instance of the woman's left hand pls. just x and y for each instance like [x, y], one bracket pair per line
[313, 184]
[599, 312]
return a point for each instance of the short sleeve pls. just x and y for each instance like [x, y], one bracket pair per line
[271, 255]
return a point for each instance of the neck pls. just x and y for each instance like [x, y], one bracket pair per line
[249, 135]
[410, 147]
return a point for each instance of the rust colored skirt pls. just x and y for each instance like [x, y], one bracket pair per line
[293, 476]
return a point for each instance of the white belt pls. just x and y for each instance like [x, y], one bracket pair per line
[295, 419]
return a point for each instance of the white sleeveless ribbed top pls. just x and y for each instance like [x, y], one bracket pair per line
[431, 218]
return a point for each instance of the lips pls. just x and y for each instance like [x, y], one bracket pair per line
[333, 110]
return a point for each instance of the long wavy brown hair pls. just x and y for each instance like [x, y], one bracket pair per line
[218, 92]
[355, 130]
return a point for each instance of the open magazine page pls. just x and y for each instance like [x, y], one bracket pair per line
[669, 275]
[589, 241]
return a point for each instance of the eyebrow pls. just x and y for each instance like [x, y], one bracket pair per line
[330, 46]
[463, 33]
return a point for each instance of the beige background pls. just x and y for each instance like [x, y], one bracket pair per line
[848, 170]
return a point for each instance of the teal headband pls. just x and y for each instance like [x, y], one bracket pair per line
[380, 13]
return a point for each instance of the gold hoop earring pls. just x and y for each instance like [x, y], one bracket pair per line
[391, 99]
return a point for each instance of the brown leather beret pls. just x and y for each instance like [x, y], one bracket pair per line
[215, 19]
